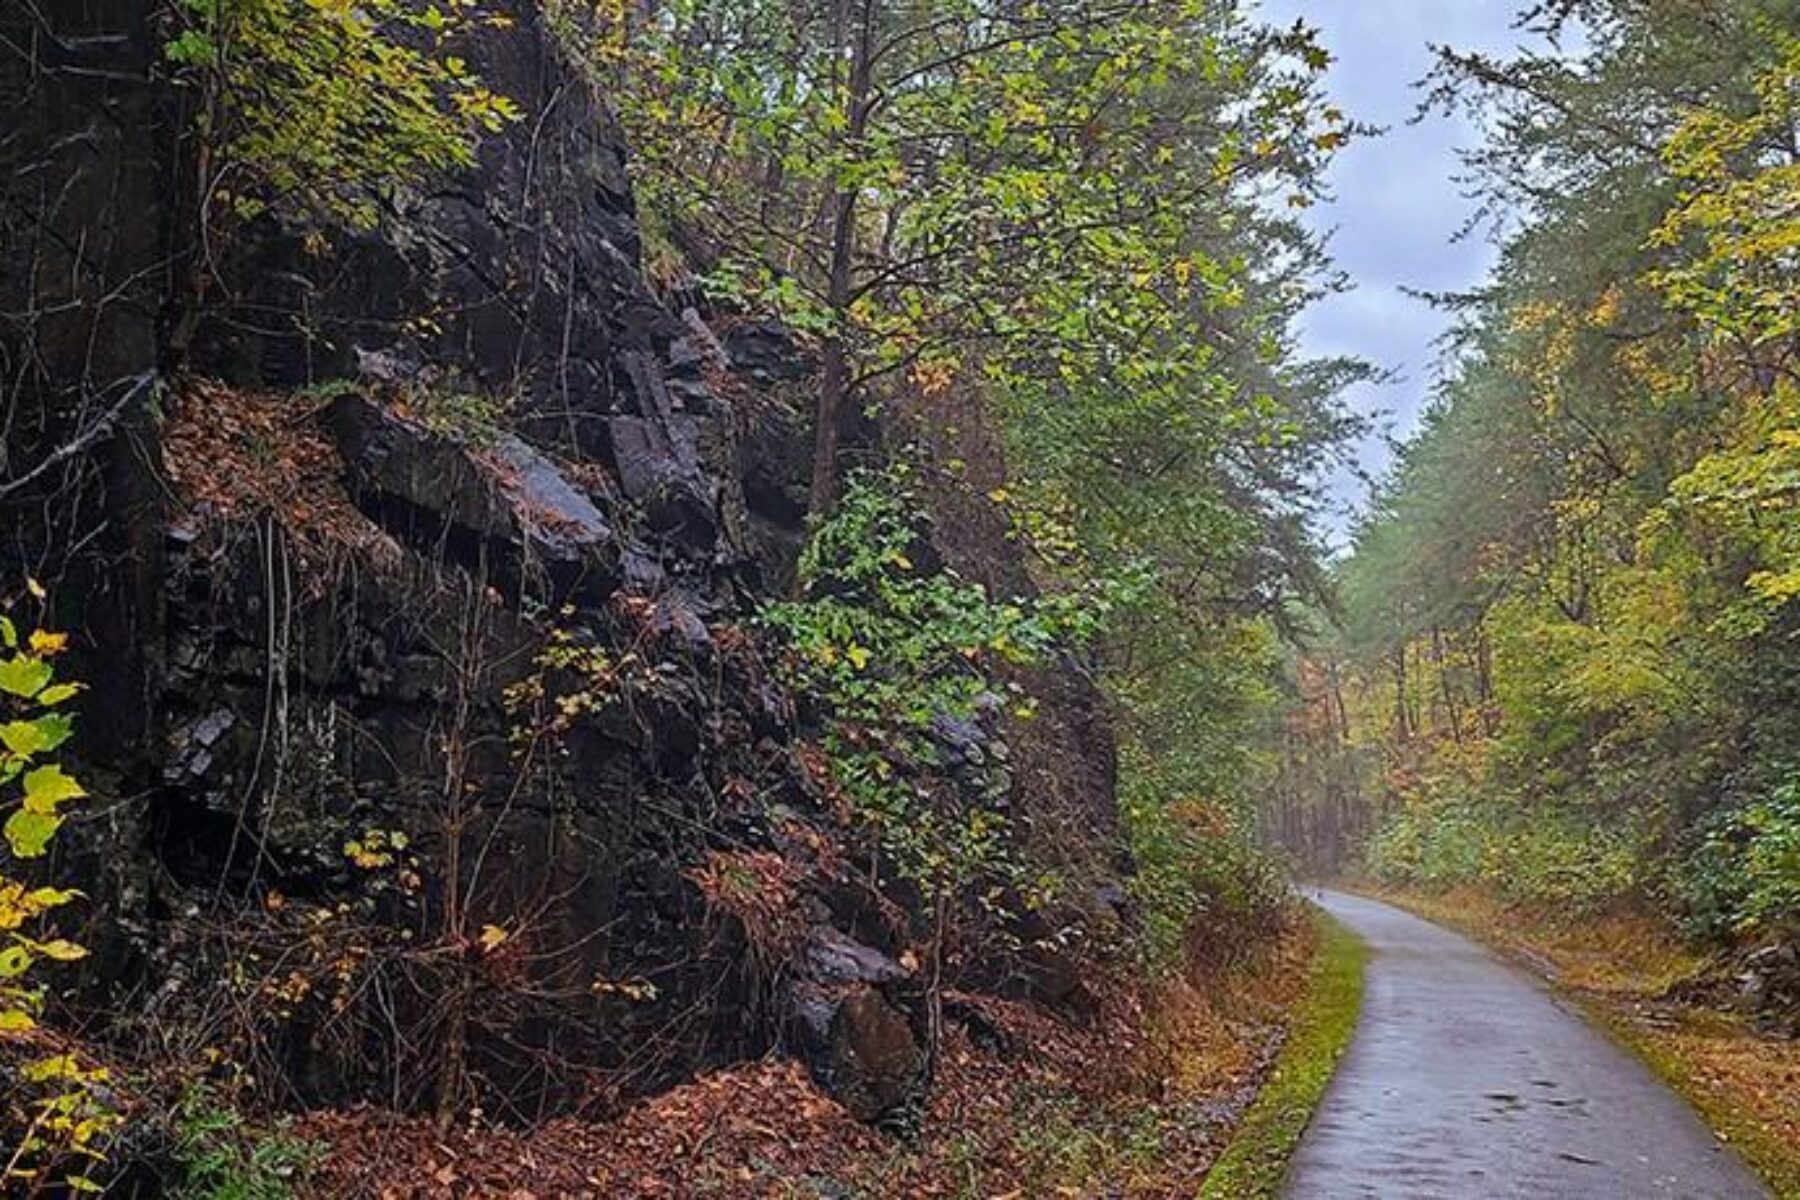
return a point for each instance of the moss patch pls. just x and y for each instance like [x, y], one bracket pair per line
[1255, 1163]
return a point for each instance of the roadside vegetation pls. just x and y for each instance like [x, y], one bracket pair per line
[1319, 1032]
[1558, 701]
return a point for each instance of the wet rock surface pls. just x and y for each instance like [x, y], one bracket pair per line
[854, 1028]
[1768, 987]
[322, 709]
[333, 557]
[1466, 1078]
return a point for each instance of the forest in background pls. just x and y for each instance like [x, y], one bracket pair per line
[1565, 665]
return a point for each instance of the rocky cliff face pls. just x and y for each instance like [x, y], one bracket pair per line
[441, 764]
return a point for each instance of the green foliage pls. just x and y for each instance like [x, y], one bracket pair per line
[1564, 860]
[1734, 219]
[1191, 693]
[60, 1112]
[1743, 876]
[1205, 894]
[319, 109]
[1061, 199]
[1020, 166]
[224, 1158]
[891, 650]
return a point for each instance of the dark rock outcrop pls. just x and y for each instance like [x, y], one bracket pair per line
[853, 1026]
[1768, 987]
[500, 496]
[439, 717]
[416, 723]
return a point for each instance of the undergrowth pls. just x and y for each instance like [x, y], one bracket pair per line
[221, 1158]
[1322, 1024]
[894, 653]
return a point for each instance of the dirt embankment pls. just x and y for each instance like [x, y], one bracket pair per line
[1138, 1102]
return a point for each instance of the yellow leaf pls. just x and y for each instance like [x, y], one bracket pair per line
[35, 588]
[491, 937]
[49, 786]
[61, 950]
[47, 644]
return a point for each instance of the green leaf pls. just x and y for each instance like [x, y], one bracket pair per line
[29, 833]
[15, 960]
[50, 697]
[9, 634]
[56, 728]
[22, 675]
[49, 786]
[24, 738]
[36, 736]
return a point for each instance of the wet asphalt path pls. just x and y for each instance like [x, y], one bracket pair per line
[1467, 1078]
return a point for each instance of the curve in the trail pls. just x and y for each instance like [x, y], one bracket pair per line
[1467, 1078]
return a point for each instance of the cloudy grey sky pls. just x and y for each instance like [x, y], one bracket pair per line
[1397, 205]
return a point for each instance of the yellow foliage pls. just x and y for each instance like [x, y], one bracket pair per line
[60, 1104]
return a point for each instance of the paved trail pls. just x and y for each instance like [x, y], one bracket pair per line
[1467, 1078]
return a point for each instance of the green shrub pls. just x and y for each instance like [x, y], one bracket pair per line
[1428, 845]
[1743, 875]
[1202, 890]
[1574, 860]
[890, 649]
[223, 1158]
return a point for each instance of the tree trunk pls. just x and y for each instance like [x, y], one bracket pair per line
[1452, 710]
[1337, 701]
[1402, 726]
[835, 374]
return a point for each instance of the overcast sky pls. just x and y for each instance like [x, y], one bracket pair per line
[1397, 205]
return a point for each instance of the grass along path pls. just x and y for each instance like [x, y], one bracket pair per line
[1254, 1164]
